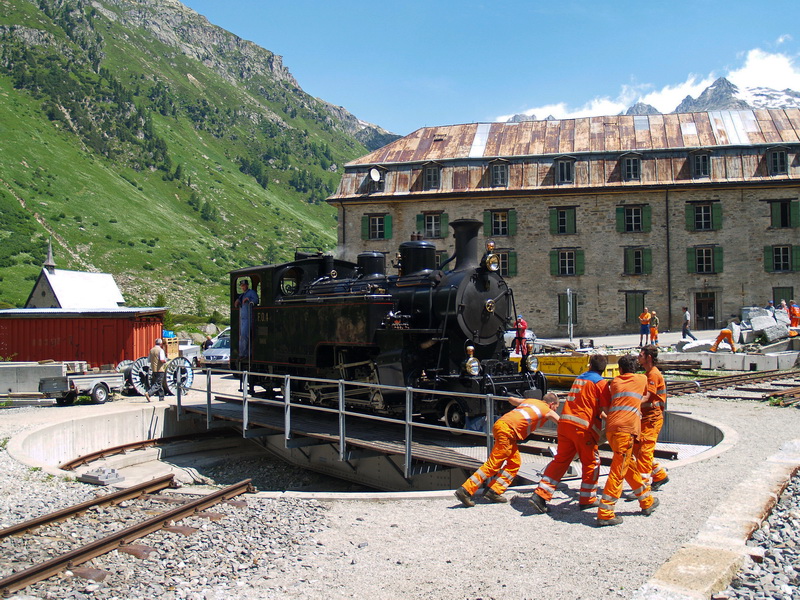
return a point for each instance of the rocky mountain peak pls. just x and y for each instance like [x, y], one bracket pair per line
[720, 95]
[641, 108]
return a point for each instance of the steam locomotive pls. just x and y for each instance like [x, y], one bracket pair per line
[424, 327]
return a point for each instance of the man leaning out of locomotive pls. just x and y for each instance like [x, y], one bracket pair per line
[578, 433]
[504, 460]
[623, 426]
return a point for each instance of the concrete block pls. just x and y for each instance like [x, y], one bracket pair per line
[761, 323]
[786, 360]
[783, 345]
[781, 316]
[101, 476]
[727, 362]
[698, 346]
[775, 333]
[23, 378]
[749, 336]
[760, 362]
[748, 312]
[736, 331]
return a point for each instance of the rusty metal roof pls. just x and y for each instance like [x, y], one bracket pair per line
[619, 133]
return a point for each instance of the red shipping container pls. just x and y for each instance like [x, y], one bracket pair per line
[97, 336]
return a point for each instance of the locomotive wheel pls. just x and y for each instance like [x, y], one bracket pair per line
[178, 372]
[454, 415]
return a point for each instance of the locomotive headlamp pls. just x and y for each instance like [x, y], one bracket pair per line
[531, 363]
[492, 262]
[472, 366]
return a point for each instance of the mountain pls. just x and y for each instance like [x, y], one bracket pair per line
[150, 144]
[640, 108]
[720, 95]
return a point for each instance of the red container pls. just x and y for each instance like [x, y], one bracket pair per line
[99, 337]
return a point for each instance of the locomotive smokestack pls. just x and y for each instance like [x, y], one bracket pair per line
[465, 232]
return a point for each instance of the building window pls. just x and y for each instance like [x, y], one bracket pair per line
[565, 307]
[633, 219]
[376, 227]
[562, 220]
[499, 174]
[784, 213]
[441, 258]
[704, 259]
[702, 165]
[566, 262]
[632, 169]
[508, 262]
[634, 306]
[566, 171]
[703, 216]
[778, 163]
[638, 261]
[782, 258]
[432, 224]
[499, 222]
[432, 177]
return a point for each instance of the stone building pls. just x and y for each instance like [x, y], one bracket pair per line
[597, 217]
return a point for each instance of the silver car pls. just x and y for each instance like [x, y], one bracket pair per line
[219, 354]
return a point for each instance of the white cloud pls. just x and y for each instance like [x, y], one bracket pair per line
[760, 69]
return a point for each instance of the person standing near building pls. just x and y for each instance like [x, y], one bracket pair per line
[157, 359]
[521, 325]
[770, 308]
[653, 407]
[644, 327]
[687, 321]
[653, 328]
[578, 433]
[794, 314]
[245, 303]
[504, 460]
[623, 427]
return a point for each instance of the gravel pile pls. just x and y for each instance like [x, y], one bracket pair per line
[778, 576]
[416, 549]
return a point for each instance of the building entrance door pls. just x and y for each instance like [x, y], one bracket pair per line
[704, 313]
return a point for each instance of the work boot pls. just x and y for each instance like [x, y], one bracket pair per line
[656, 485]
[649, 510]
[464, 497]
[616, 520]
[538, 504]
[594, 504]
[493, 496]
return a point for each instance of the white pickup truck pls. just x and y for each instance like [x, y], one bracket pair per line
[67, 388]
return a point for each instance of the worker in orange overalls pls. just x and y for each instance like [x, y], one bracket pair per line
[644, 327]
[724, 335]
[653, 407]
[504, 460]
[794, 314]
[578, 433]
[623, 427]
[653, 328]
[521, 325]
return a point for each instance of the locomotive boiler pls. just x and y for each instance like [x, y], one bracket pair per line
[425, 327]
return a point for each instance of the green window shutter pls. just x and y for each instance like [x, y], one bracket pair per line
[627, 261]
[647, 218]
[364, 227]
[553, 221]
[512, 222]
[647, 257]
[690, 224]
[691, 260]
[716, 216]
[775, 213]
[769, 263]
[579, 262]
[445, 223]
[487, 222]
[795, 258]
[718, 259]
[794, 213]
[553, 262]
[572, 225]
[620, 219]
[512, 263]
[387, 227]
[420, 223]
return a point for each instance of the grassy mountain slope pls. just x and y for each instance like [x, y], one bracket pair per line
[152, 145]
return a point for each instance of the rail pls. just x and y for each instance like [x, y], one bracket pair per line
[285, 382]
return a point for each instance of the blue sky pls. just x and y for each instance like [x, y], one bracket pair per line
[409, 64]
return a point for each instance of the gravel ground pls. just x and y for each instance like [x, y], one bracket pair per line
[420, 548]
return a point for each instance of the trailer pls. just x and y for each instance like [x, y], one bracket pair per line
[65, 389]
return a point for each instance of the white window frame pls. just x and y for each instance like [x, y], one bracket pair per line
[566, 171]
[703, 220]
[634, 219]
[704, 260]
[702, 166]
[778, 162]
[433, 225]
[499, 222]
[377, 227]
[781, 258]
[499, 173]
[432, 177]
[632, 168]
[567, 262]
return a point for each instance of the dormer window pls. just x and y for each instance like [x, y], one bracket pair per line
[376, 179]
[701, 165]
[778, 163]
[631, 168]
[565, 170]
[499, 173]
[431, 177]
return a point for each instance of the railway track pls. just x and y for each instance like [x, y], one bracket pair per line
[119, 540]
[679, 388]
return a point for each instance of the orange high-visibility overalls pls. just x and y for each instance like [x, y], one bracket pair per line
[578, 433]
[623, 426]
[726, 335]
[652, 421]
[504, 460]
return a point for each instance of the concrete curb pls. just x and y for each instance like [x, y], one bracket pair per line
[708, 564]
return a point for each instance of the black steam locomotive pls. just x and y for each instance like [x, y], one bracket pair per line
[424, 328]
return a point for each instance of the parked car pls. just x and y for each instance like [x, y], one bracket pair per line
[219, 355]
[510, 337]
[189, 351]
